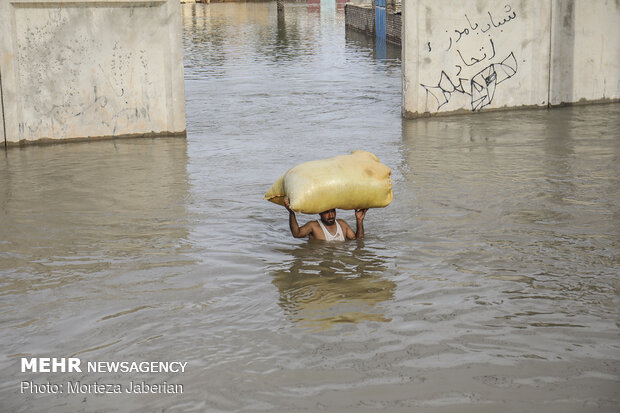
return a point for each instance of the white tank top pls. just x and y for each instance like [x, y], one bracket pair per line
[329, 237]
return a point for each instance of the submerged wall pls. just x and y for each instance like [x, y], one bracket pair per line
[90, 69]
[361, 17]
[481, 55]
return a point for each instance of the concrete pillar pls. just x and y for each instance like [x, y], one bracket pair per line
[480, 55]
[585, 51]
[91, 69]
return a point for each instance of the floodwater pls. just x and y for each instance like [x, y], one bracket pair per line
[489, 284]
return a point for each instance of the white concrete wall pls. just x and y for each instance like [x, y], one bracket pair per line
[483, 54]
[585, 51]
[91, 68]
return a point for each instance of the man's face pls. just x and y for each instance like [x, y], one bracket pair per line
[328, 217]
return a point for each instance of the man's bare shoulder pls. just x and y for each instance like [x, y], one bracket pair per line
[346, 229]
[342, 222]
[315, 230]
[312, 224]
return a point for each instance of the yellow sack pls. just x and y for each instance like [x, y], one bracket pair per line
[353, 181]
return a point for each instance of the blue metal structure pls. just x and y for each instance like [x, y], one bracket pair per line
[380, 19]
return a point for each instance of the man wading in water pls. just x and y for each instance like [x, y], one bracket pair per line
[328, 228]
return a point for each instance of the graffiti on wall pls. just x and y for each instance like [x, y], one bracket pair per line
[477, 69]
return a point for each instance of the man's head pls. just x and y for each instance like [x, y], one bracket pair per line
[328, 217]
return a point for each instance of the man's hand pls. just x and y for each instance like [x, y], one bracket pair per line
[360, 214]
[287, 204]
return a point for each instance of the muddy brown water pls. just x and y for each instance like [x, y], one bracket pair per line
[489, 284]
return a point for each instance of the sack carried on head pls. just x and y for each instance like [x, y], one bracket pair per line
[354, 181]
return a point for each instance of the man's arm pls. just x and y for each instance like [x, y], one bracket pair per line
[360, 214]
[296, 230]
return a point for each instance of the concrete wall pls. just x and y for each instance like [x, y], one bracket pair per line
[91, 68]
[361, 17]
[585, 51]
[484, 54]
[393, 27]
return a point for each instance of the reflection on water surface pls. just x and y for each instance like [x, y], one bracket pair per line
[324, 284]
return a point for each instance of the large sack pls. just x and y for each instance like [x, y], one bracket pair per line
[353, 181]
